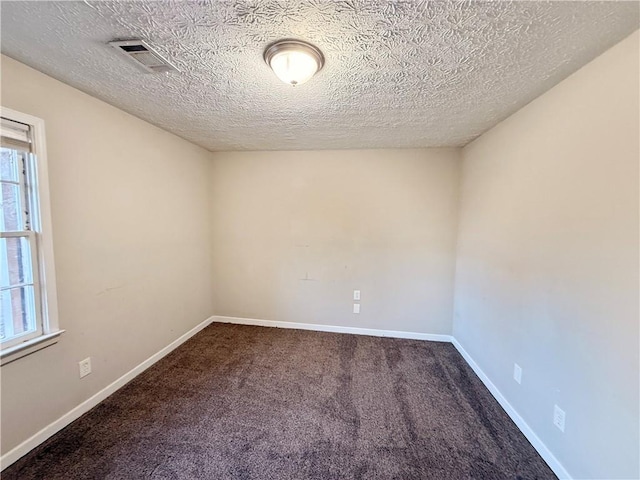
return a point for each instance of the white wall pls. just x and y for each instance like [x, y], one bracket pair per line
[294, 233]
[547, 269]
[130, 219]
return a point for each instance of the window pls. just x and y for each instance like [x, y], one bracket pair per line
[28, 313]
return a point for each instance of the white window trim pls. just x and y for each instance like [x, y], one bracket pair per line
[46, 266]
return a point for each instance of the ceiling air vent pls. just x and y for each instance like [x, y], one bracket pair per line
[144, 56]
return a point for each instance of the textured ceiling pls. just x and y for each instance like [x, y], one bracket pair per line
[397, 73]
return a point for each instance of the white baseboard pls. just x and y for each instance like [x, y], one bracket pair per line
[334, 329]
[54, 427]
[526, 430]
[541, 448]
[32, 442]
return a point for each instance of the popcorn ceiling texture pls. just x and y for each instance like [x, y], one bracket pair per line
[397, 73]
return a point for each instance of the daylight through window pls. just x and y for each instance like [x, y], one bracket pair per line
[23, 308]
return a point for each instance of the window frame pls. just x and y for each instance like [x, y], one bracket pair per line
[41, 242]
[31, 238]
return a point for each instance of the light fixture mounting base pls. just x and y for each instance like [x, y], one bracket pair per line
[290, 44]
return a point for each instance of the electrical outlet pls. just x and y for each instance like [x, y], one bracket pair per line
[356, 294]
[517, 373]
[558, 417]
[356, 308]
[85, 367]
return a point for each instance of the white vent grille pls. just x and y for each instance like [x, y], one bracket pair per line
[144, 56]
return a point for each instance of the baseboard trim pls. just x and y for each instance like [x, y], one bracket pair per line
[25, 447]
[334, 329]
[540, 447]
[526, 430]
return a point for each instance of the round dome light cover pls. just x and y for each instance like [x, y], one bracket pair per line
[294, 61]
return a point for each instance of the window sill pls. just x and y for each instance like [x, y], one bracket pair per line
[23, 349]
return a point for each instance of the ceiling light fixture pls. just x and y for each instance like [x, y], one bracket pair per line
[294, 61]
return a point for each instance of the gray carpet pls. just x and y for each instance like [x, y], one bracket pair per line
[239, 402]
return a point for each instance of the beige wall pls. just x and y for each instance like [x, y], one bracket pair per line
[294, 233]
[130, 219]
[547, 270]
[150, 232]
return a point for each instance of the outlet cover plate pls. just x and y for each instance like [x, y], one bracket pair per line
[558, 417]
[85, 367]
[517, 373]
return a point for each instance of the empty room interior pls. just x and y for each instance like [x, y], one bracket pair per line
[320, 239]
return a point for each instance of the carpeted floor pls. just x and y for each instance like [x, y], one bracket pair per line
[239, 402]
